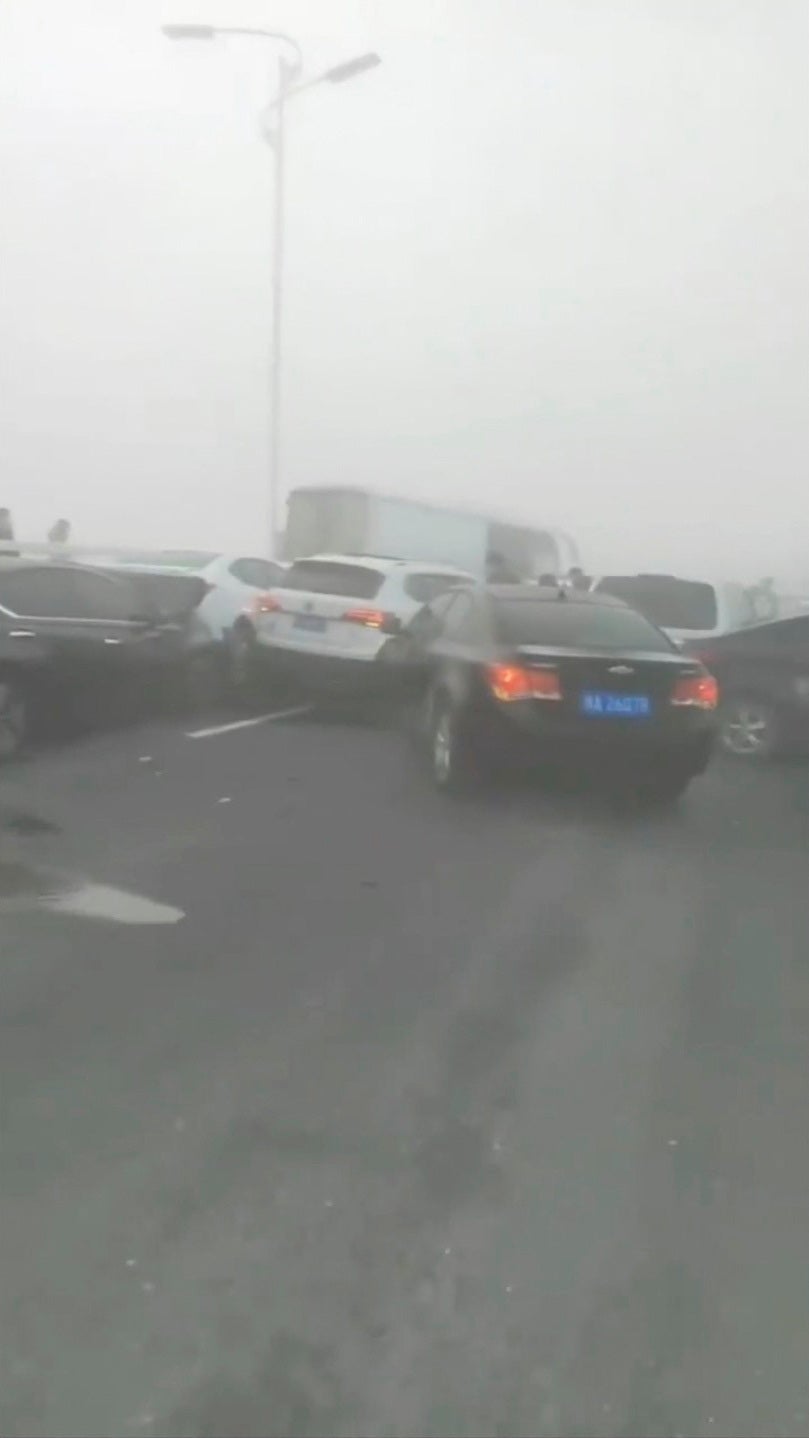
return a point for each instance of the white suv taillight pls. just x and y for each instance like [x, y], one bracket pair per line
[265, 604]
[377, 619]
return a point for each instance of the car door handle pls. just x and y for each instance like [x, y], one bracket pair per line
[108, 640]
[22, 634]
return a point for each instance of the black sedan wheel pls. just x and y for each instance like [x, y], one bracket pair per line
[749, 728]
[450, 756]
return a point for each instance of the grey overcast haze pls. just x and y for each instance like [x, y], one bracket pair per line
[550, 259]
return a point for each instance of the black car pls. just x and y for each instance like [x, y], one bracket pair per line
[515, 673]
[184, 655]
[763, 675]
[78, 643]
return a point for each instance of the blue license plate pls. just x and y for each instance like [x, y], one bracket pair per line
[312, 622]
[601, 704]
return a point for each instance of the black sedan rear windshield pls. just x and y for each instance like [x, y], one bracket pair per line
[325, 576]
[671, 603]
[572, 624]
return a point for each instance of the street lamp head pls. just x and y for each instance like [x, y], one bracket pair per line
[189, 32]
[350, 68]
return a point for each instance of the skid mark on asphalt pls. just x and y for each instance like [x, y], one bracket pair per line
[216, 729]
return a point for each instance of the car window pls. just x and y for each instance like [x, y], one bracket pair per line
[158, 594]
[668, 602]
[428, 623]
[424, 626]
[326, 576]
[439, 607]
[459, 622]
[427, 587]
[564, 623]
[41, 593]
[95, 596]
[259, 573]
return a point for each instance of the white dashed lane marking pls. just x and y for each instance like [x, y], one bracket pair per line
[25, 888]
[249, 723]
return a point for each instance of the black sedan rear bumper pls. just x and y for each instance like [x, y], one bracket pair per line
[515, 734]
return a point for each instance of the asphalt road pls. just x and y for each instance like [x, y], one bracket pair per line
[397, 1116]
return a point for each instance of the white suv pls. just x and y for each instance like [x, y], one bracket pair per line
[334, 613]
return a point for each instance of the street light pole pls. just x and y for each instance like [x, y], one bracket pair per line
[274, 133]
[276, 140]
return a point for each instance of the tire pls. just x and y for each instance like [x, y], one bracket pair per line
[14, 717]
[748, 728]
[451, 763]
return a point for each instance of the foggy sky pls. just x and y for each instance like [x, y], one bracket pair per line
[550, 258]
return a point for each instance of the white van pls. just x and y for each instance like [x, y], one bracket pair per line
[687, 610]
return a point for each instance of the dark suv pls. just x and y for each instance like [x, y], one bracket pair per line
[763, 675]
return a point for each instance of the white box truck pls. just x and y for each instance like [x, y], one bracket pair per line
[337, 520]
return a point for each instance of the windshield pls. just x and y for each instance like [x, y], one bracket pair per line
[669, 603]
[564, 623]
[166, 595]
[320, 576]
[426, 587]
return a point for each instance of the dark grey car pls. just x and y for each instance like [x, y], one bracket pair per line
[79, 644]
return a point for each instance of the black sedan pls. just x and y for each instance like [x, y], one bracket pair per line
[77, 644]
[763, 675]
[509, 674]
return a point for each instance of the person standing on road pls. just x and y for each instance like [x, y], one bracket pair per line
[6, 529]
[577, 579]
[498, 571]
[765, 599]
[59, 533]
